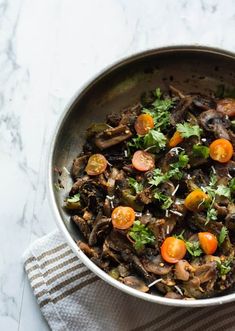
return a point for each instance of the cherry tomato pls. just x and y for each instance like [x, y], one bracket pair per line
[175, 139]
[123, 217]
[144, 123]
[226, 107]
[221, 150]
[173, 249]
[96, 164]
[194, 200]
[208, 242]
[143, 161]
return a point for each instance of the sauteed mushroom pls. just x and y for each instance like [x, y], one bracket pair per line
[153, 195]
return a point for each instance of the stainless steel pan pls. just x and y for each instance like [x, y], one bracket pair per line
[190, 68]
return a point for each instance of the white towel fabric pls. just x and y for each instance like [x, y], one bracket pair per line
[72, 298]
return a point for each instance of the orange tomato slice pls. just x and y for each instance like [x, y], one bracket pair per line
[175, 139]
[143, 161]
[144, 123]
[96, 164]
[123, 217]
[221, 150]
[208, 242]
[194, 200]
[173, 249]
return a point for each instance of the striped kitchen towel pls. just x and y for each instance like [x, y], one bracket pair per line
[72, 298]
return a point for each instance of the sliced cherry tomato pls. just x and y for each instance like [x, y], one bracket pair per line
[226, 107]
[123, 217]
[173, 249]
[194, 200]
[97, 164]
[144, 123]
[175, 139]
[221, 150]
[143, 161]
[208, 242]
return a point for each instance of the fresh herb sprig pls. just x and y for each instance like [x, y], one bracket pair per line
[138, 187]
[187, 130]
[193, 247]
[141, 234]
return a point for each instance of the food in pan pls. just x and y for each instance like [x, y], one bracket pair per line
[154, 191]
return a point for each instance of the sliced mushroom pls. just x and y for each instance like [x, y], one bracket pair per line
[178, 114]
[90, 252]
[109, 253]
[203, 102]
[213, 121]
[135, 283]
[83, 225]
[113, 136]
[100, 229]
[107, 208]
[118, 242]
[192, 288]
[230, 218]
[177, 92]
[79, 165]
[225, 169]
[226, 107]
[130, 113]
[76, 186]
[140, 269]
[156, 265]
[182, 270]
[206, 272]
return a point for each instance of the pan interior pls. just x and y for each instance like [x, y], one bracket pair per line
[190, 69]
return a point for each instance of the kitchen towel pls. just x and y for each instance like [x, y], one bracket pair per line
[72, 298]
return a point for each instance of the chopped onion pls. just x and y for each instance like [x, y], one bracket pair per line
[175, 190]
[155, 282]
[213, 169]
[179, 290]
[176, 150]
[176, 212]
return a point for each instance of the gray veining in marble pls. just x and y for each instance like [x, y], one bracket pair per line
[48, 49]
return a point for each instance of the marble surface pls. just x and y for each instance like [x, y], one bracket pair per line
[48, 49]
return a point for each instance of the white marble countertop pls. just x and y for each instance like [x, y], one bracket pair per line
[48, 49]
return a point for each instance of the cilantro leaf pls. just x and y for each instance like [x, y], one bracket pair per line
[224, 267]
[224, 191]
[201, 151]
[193, 247]
[211, 214]
[153, 141]
[174, 172]
[138, 187]
[74, 198]
[164, 199]
[175, 167]
[187, 130]
[159, 110]
[158, 177]
[232, 185]
[141, 235]
[222, 235]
